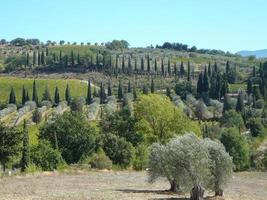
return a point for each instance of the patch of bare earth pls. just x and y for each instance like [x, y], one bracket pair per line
[115, 185]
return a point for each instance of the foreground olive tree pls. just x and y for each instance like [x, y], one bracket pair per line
[193, 164]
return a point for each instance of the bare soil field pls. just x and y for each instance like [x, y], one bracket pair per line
[117, 185]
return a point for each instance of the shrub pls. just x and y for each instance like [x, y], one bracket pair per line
[260, 103]
[99, 160]
[118, 150]
[232, 119]
[141, 158]
[256, 127]
[236, 145]
[32, 168]
[36, 116]
[45, 157]
[77, 104]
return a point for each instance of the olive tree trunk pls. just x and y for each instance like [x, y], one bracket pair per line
[218, 190]
[174, 186]
[197, 193]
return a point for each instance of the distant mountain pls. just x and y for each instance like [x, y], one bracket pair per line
[258, 53]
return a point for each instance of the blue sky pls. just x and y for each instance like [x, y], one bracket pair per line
[220, 24]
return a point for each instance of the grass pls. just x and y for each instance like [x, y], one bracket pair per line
[233, 88]
[77, 87]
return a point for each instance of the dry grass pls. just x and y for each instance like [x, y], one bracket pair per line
[115, 185]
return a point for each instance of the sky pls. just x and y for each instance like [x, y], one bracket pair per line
[229, 25]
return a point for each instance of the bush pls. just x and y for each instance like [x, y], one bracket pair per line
[45, 157]
[118, 150]
[32, 168]
[236, 145]
[77, 104]
[260, 104]
[232, 119]
[141, 158]
[36, 116]
[99, 160]
[256, 127]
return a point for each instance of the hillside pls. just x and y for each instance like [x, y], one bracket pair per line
[258, 53]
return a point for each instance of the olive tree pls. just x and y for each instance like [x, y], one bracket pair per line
[221, 166]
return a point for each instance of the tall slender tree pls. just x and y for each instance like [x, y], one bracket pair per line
[148, 64]
[152, 86]
[155, 65]
[109, 89]
[57, 97]
[188, 72]
[46, 95]
[89, 93]
[120, 93]
[240, 103]
[23, 98]
[12, 97]
[25, 160]
[34, 92]
[68, 94]
[129, 89]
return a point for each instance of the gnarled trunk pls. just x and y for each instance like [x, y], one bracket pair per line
[218, 190]
[197, 193]
[174, 186]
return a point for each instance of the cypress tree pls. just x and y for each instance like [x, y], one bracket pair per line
[89, 93]
[25, 160]
[42, 58]
[175, 69]
[46, 95]
[188, 72]
[78, 59]
[66, 61]
[109, 89]
[205, 87]
[39, 58]
[72, 58]
[67, 94]
[129, 90]
[102, 94]
[169, 67]
[129, 65]
[57, 97]
[123, 64]
[209, 70]
[168, 92]
[227, 69]
[249, 86]
[155, 65]
[227, 103]
[145, 90]
[254, 71]
[34, 58]
[148, 64]
[200, 84]
[34, 93]
[256, 92]
[182, 70]
[23, 99]
[60, 57]
[12, 97]
[117, 63]
[135, 64]
[46, 51]
[27, 59]
[134, 93]
[142, 64]
[152, 86]
[215, 67]
[162, 67]
[120, 93]
[240, 103]
[97, 61]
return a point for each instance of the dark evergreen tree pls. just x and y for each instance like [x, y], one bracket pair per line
[209, 70]
[256, 92]
[24, 94]
[152, 86]
[72, 58]
[46, 95]
[162, 67]
[34, 93]
[254, 71]
[227, 68]
[169, 67]
[78, 59]
[227, 103]
[42, 58]
[25, 160]
[57, 97]
[215, 67]
[134, 93]
[135, 64]
[129, 89]
[103, 96]
[109, 89]
[46, 51]
[39, 58]
[205, 87]
[142, 65]
[148, 64]
[240, 103]
[129, 65]
[89, 93]
[145, 90]
[120, 93]
[27, 59]
[182, 70]
[123, 64]
[188, 72]
[117, 63]
[155, 65]
[34, 58]
[60, 57]
[68, 94]
[249, 86]
[200, 84]
[12, 97]
[168, 92]
[175, 69]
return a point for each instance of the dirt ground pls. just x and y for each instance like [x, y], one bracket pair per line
[116, 185]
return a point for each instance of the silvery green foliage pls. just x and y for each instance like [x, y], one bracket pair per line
[93, 109]
[201, 110]
[8, 110]
[220, 164]
[184, 159]
[28, 107]
[178, 102]
[48, 104]
[61, 108]
[217, 107]
[190, 99]
[189, 161]
[128, 101]
[158, 163]
[111, 105]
